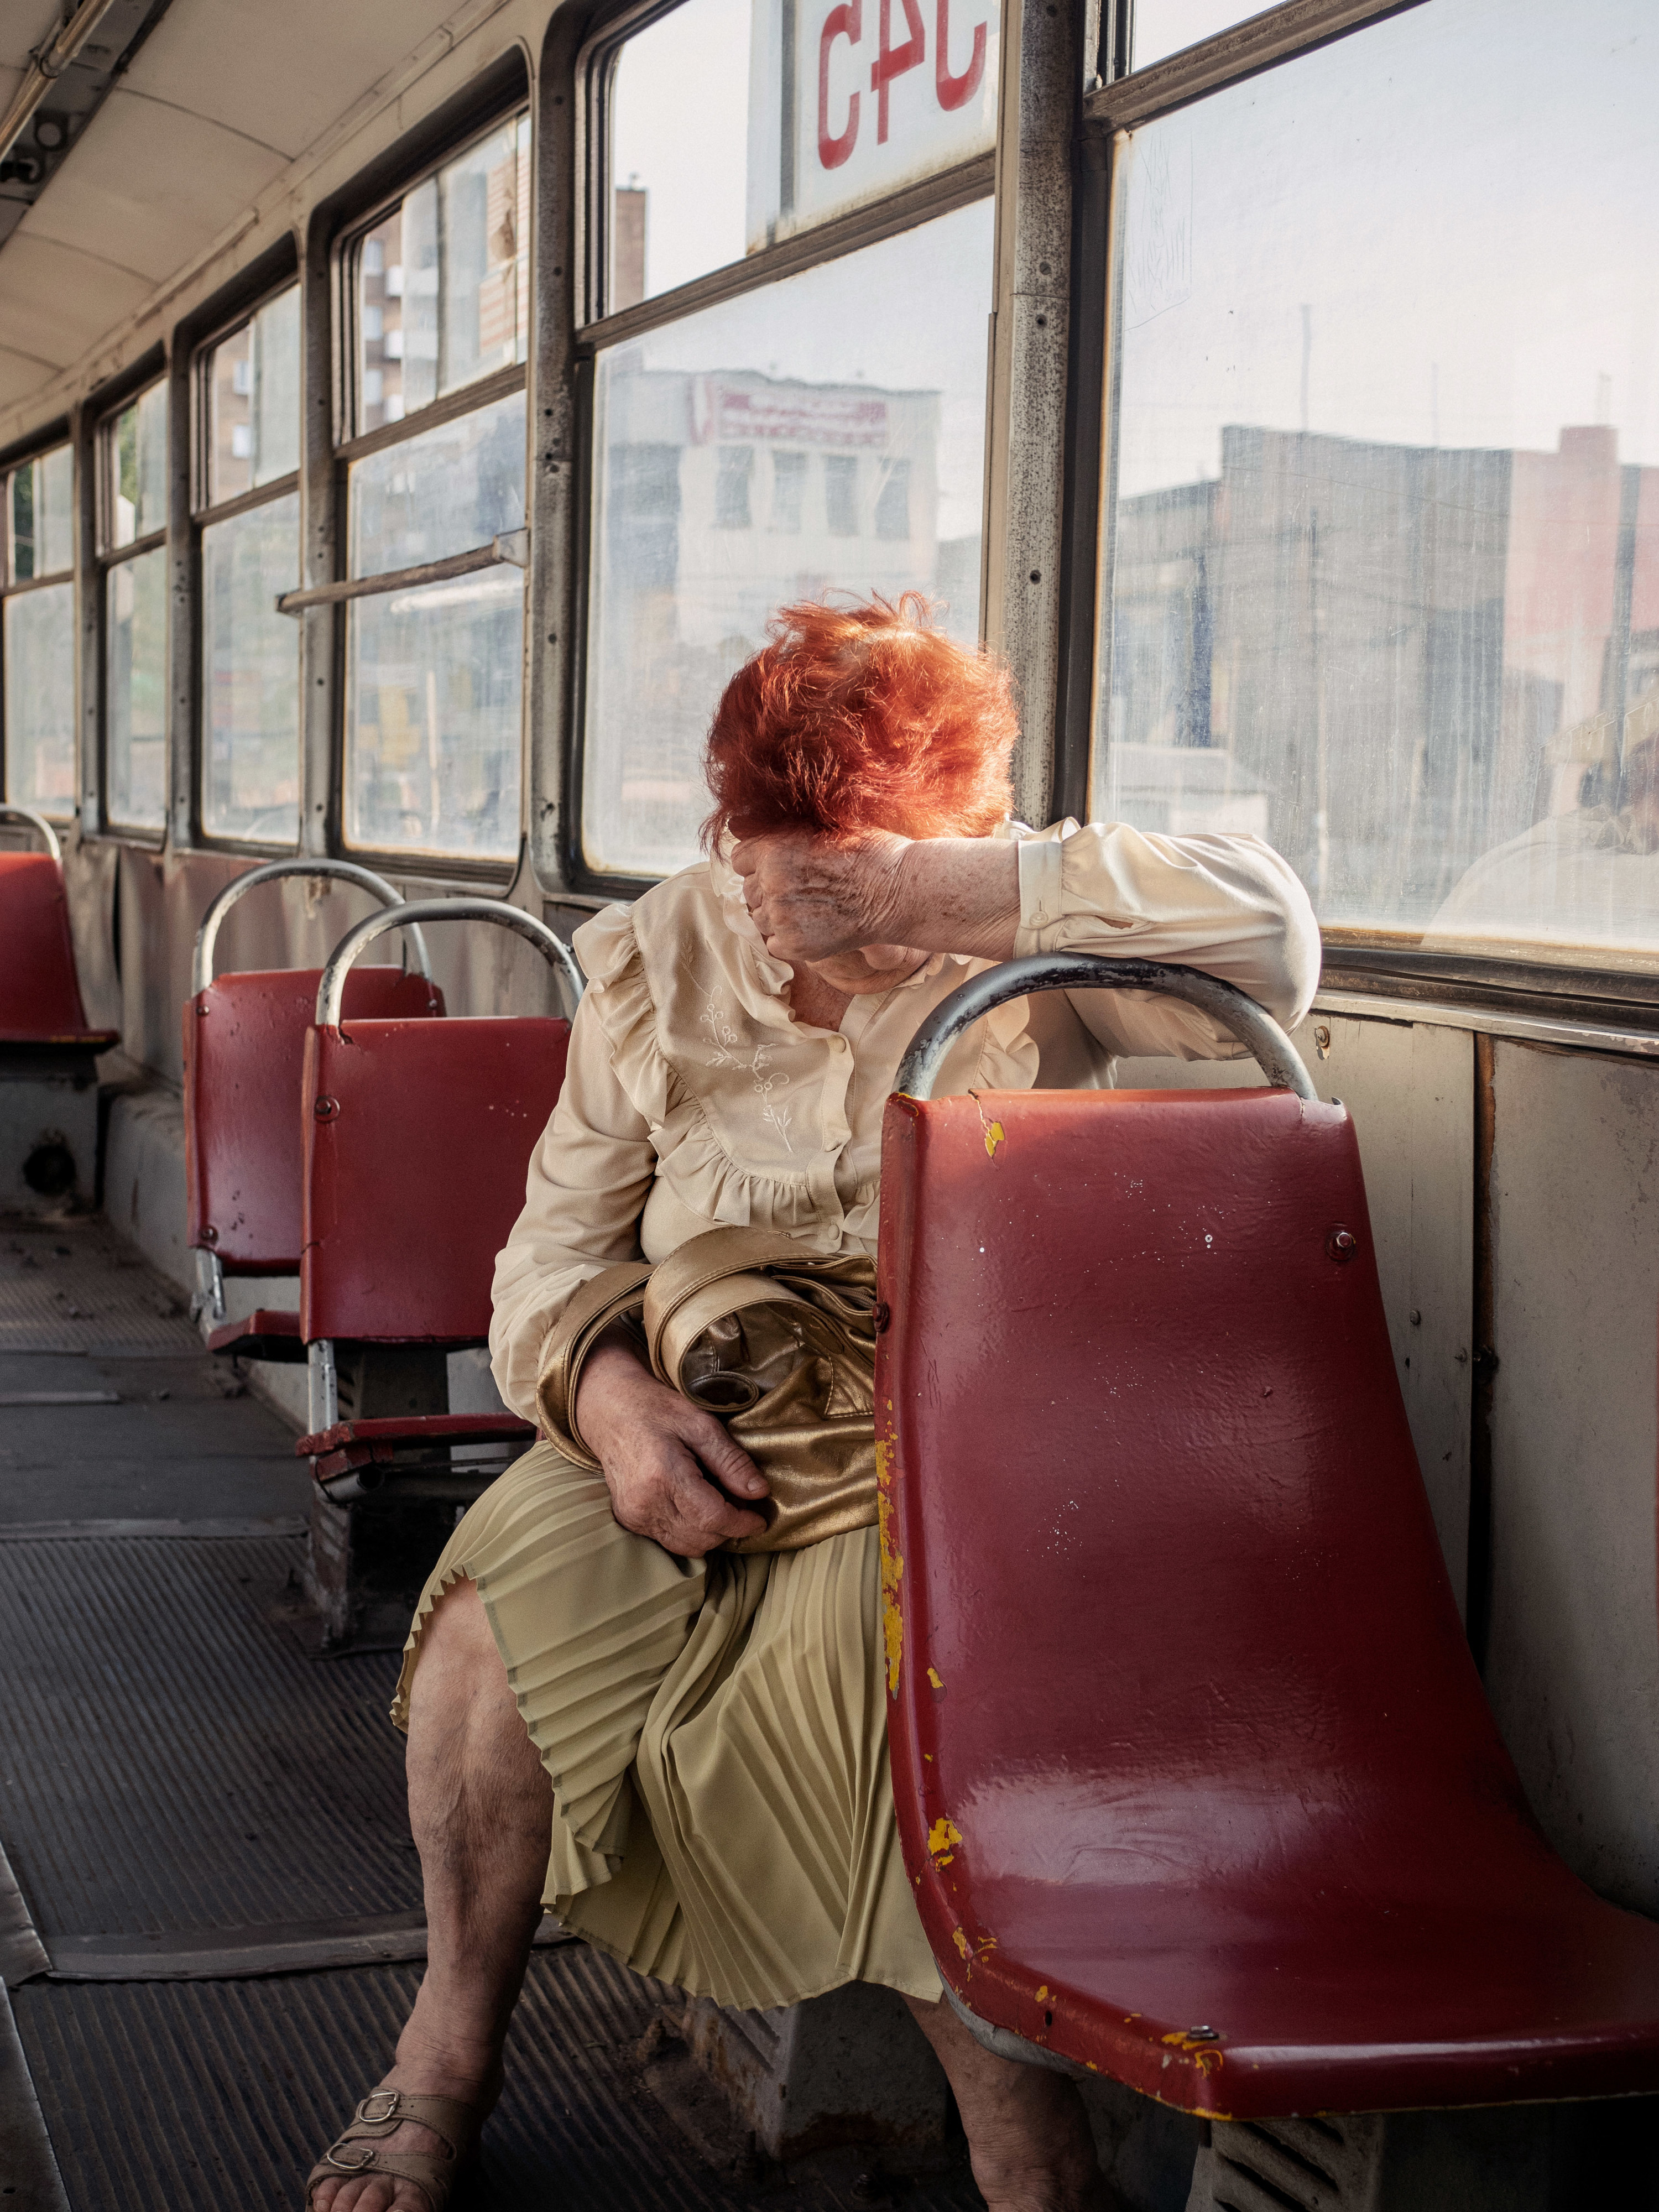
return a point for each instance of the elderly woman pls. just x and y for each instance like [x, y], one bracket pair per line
[680, 1748]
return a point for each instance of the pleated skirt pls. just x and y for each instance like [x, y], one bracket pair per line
[716, 1734]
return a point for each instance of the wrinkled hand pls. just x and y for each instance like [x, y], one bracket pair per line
[815, 897]
[653, 1447]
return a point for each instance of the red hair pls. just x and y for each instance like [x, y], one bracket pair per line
[864, 717]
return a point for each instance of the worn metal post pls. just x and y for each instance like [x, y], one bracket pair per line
[1025, 490]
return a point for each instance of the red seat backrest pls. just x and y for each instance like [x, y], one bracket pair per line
[39, 995]
[245, 1113]
[1159, 1509]
[415, 1169]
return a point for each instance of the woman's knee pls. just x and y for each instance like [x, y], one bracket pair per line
[458, 1639]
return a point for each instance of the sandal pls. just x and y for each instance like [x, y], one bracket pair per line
[355, 2150]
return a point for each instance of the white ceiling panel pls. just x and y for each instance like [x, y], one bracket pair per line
[148, 187]
[55, 303]
[280, 74]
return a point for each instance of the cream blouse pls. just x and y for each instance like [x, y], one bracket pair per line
[693, 1098]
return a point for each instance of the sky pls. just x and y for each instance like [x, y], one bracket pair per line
[1464, 197]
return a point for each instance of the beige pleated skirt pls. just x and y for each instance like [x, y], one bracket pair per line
[716, 1733]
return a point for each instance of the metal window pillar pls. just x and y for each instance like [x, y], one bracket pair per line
[1026, 399]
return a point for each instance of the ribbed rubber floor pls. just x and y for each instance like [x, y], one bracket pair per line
[170, 1756]
[216, 2097]
[73, 1286]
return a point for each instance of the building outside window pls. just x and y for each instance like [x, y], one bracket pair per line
[37, 632]
[248, 416]
[1383, 541]
[132, 455]
[805, 424]
[435, 467]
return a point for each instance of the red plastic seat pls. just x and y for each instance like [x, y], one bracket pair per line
[245, 1042]
[416, 1154]
[39, 990]
[244, 1052]
[1195, 1774]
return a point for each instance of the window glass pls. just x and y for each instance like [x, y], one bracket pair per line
[444, 490]
[824, 433]
[1165, 27]
[38, 649]
[254, 402]
[138, 468]
[250, 675]
[436, 684]
[734, 123]
[43, 515]
[443, 281]
[136, 617]
[1385, 571]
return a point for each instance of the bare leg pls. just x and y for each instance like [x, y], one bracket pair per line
[480, 1809]
[1028, 2134]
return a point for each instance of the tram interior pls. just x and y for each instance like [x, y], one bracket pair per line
[410, 418]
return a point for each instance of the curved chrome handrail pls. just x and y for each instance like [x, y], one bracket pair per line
[200, 974]
[330, 991]
[37, 822]
[1239, 1016]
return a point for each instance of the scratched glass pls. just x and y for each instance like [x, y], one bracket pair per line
[37, 648]
[824, 433]
[1166, 27]
[1384, 574]
[138, 479]
[443, 280]
[251, 675]
[135, 689]
[253, 401]
[42, 516]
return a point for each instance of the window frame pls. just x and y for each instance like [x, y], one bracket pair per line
[348, 445]
[106, 557]
[55, 438]
[1372, 967]
[964, 184]
[203, 515]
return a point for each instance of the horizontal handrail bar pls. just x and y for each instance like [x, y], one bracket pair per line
[510, 549]
[1239, 1016]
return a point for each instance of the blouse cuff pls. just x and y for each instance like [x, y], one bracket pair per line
[1041, 898]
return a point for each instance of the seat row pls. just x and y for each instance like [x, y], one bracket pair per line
[343, 1131]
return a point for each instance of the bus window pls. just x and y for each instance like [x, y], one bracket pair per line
[434, 666]
[37, 632]
[133, 456]
[1384, 572]
[248, 388]
[810, 425]
[825, 433]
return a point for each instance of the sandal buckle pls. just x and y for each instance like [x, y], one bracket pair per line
[390, 2098]
[349, 2165]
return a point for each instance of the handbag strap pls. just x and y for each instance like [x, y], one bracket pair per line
[617, 1294]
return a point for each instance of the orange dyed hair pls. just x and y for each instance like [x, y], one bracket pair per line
[863, 717]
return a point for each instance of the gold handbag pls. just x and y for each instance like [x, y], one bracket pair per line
[778, 1341]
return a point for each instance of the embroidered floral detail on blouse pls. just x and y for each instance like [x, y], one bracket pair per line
[717, 1020]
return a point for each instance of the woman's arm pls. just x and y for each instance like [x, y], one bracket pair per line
[589, 1179]
[1222, 902]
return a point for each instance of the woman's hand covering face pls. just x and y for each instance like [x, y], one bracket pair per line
[867, 909]
[832, 901]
